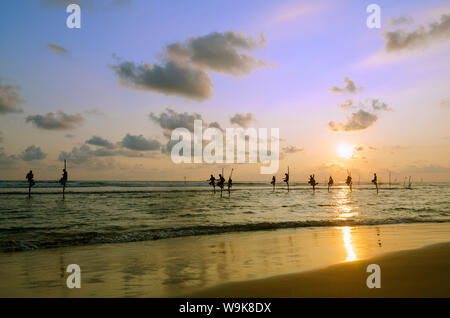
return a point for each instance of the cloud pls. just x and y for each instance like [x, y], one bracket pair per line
[292, 149]
[215, 124]
[427, 169]
[363, 118]
[219, 52]
[445, 103]
[99, 141]
[140, 143]
[9, 99]
[370, 104]
[358, 148]
[183, 66]
[95, 112]
[32, 153]
[86, 154]
[6, 160]
[60, 121]
[169, 79]
[348, 104]
[402, 39]
[69, 136]
[77, 155]
[242, 119]
[357, 121]
[57, 48]
[350, 87]
[171, 120]
[377, 105]
[400, 20]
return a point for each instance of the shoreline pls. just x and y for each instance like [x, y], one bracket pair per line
[165, 234]
[421, 272]
[182, 266]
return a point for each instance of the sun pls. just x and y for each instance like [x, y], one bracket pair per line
[345, 151]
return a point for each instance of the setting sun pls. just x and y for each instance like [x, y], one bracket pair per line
[345, 151]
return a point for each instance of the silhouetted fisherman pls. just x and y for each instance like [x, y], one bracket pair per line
[286, 179]
[230, 184]
[212, 182]
[312, 182]
[349, 182]
[375, 181]
[273, 182]
[30, 178]
[221, 183]
[64, 178]
[330, 183]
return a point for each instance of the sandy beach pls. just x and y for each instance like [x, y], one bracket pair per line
[422, 272]
[303, 262]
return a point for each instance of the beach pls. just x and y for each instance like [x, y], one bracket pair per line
[422, 272]
[300, 262]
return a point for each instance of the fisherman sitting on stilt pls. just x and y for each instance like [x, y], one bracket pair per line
[312, 182]
[212, 182]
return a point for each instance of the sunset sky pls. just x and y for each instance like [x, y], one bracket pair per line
[107, 96]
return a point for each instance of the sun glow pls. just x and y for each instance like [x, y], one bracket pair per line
[347, 233]
[345, 151]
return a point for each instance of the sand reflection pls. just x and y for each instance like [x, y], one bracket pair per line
[347, 237]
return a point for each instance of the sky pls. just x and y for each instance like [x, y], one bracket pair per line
[108, 95]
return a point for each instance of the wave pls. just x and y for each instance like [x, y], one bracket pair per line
[149, 184]
[84, 190]
[59, 239]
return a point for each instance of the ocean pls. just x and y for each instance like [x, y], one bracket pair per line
[112, 212]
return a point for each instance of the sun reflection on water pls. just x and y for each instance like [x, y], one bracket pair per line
[344, 208]
[347, 233]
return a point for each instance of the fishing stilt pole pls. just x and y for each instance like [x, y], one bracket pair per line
[64, 180]
[389, 179]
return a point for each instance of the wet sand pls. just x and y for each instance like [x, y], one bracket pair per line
[189, 266]
[423, 272]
